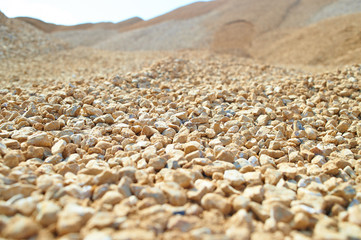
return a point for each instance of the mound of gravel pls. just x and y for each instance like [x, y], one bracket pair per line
[19, 39]
[193, 148]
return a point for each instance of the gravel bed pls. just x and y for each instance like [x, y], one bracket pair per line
[188, 148]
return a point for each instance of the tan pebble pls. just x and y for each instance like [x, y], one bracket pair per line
[20, 228]
[301, 221]
[343, 126]
[58, 147]
[272, 176]
[180, 137]
[51, 126]
[234, 177]
[191, 146]
[124, 186]
[54, 159]
[103, 145]
[345, 191]
[157, 163]
[280, 213]
[101, 220]
[275, 145]
[330, 168]
[97, 235]
[210, 133]
[111, 197]
[175, 194]
[253, 178]
[40, 140]
[182, 223]
[226, 155]
[134, 234]
[240, 202]
[355, 214]
[47, 212]
[287, 170]
[6, 209]
[266, 160]
[25, 206]
[13, 158]
[213, 200]
[196, 194]
[262, 120]
[3, 149]
[255, 193]
[318, 160]
[34, 152]
[72, 218]
[152, 192]
[148, 131]
[182, 177]
[11, 143]
[259, 211]
[193, 155]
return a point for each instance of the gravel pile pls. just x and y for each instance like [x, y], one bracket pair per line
[185, 149]
[19, 39]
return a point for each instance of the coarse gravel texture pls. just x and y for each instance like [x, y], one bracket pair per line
[193, 147]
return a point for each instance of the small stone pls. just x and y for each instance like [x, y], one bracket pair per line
[255, 193]
[101, 220]
[34, 152]
[311, 133]
[40, 140]
[281, 214]
[175, 194]
[157, 163]
[182, 223]
[112, 197]
[51, 126]
[330, 168]
[253, 178]
[72, 218]
[103, 145]
[153, 192]
[272, 176]
[355, 214]
[301, 221]
[47, 213]
[213, 200]
[226, 155]
[345, 191]
[25, 206]
[13, 158]
[133, 234]
[191, 147]
[20, 228]
[148, 131]
[11, 143]
[182, 177]
[54, 159]
[234, 177]
[58, 147]
[343, 126]
[240, 202]
[263, 120]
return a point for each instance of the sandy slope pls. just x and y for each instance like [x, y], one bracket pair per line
[334, 41]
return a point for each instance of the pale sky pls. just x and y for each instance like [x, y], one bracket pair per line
[71, 12]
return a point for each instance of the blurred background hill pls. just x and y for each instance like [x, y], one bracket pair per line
[308, 32]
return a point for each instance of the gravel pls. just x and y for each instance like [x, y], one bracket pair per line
[195, 148]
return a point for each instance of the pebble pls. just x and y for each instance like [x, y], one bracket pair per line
[20, 227]
[39, 140]
[216, 201]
